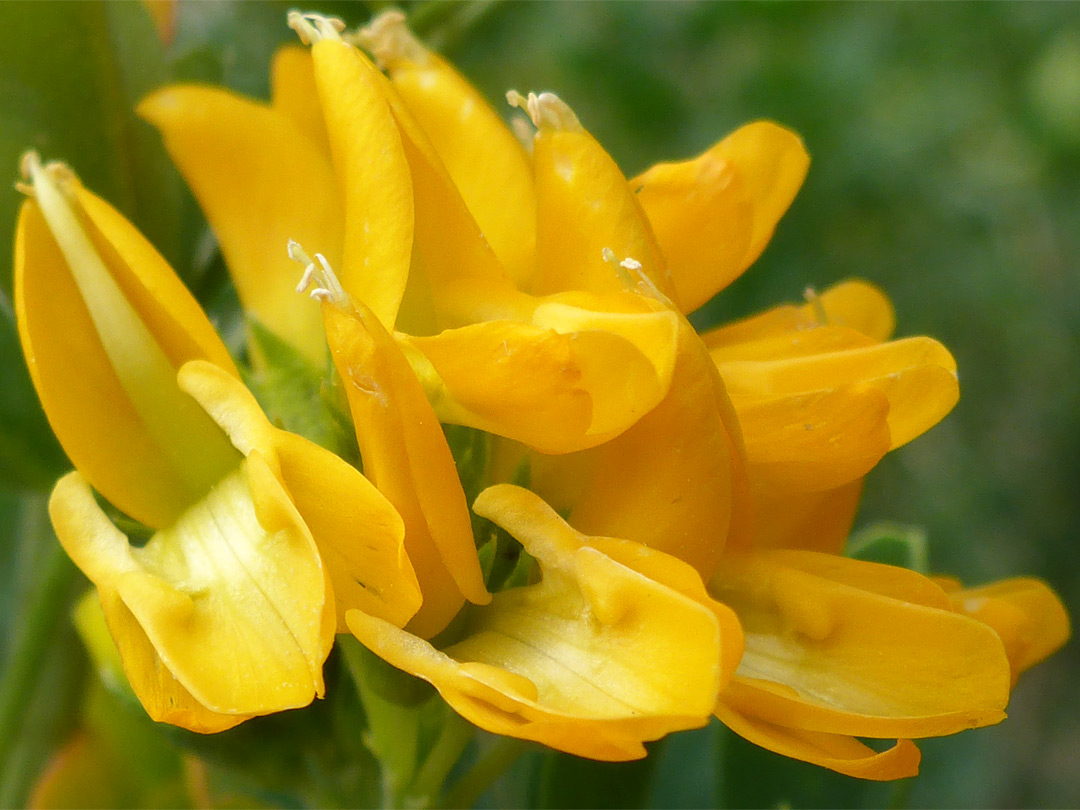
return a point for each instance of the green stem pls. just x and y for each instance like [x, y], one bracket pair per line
[503, 752]
[47, 605]
[455, 735]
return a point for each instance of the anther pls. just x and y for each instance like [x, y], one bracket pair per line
[546, 110]
[319, 279]
[814, 300]
[312, 28]
[389, 39]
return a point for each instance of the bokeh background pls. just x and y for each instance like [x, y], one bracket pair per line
[945, 145]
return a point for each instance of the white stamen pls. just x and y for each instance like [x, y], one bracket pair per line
[630, 264]
[319, 279]
[814, 300]
[633, 277]
[312, 28]
[389, 39]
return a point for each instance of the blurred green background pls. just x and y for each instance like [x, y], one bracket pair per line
[945, 145]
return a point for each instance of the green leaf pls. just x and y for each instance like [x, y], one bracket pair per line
[892, 544]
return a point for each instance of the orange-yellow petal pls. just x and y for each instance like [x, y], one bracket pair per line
[1025, 612]
[917, 375]
[817, 441]
[823, 654]
[714, 214]
[104, 324]
[261, 180]
[854, 304]
[594, 659]
[487, 164]
[836, 752]
[359, 534]
[816, 521]
[406, 456]
[572, 379]
[675, 481]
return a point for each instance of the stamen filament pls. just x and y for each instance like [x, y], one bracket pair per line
[312, 28]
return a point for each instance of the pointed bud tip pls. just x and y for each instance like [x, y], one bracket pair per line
[313, 28]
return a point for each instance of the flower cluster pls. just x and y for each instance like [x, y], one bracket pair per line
[657, 516]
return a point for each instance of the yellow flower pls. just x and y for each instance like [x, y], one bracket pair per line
[230, 608]
[541, 297]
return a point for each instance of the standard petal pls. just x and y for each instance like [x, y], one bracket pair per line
[359, 534]
[675, 481]
[1025, 612]
[815, 521]
[406, 456]
[486, 162]
[261, 180]
[917, 375]
[232, 597]
[594, 659]
[836, 752]
[713, 215]
[104, 324]
[584, 206]
[825, 655]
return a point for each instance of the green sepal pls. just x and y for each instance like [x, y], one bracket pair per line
[892, 544]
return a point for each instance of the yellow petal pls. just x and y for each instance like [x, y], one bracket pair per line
[569, 381]
[818, 441]
[825, 655]
[1026, 613]
[466, 280]
[261, 180]
[917, 375]
[373, 178]
[104, 324]
[675, 481]
[232, 597]
[584, 206]
[713, 215]
[836, 752]
[294, 94]
[816, 521]
[854, 304]
[359, 534]
[594, 659]
[406, 456]
[486, 162]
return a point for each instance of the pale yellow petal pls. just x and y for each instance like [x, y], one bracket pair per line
[594, 659]
[232, 597]
[359, 534]
[836, 752]
[104, 324]
[824, 655]
[261, 180]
